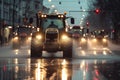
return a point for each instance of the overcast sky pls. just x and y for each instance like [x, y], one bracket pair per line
[69, 5]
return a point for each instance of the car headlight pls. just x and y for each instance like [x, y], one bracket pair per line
[104, 40]
[106, 36]
[16, 38]
[83, 40]
[93, 36]
[94, 40]
[38, 37]
[29, 38]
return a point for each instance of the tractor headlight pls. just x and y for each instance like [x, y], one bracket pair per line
[64, 37]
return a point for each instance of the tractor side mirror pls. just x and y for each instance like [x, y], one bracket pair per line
[72, 20]
[31, 20]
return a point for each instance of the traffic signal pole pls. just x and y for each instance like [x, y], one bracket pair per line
[13, 19]
[80, 11]
[96, 11]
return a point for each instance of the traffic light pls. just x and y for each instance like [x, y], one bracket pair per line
[97, 11]
[72, 20]
[87, 24]
[113, 31]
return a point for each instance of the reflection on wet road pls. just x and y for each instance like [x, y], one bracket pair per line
[90, 64]
[50, 69]
[59, 69]
[112, 51]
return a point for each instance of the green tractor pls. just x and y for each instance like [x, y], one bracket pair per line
[51, 35]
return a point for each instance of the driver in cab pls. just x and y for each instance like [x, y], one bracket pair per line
[52, 25]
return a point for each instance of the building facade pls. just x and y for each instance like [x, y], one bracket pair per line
[13, 12]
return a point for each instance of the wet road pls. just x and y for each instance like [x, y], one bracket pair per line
[91, 64]
[59, 69]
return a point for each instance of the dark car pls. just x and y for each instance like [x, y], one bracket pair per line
[21, 36]
[76, 32]
[99, 38]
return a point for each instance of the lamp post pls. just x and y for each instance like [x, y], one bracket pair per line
[13, 19]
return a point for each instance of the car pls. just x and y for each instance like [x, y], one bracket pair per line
[80, 35]
[99, 38]
[21, 36]
[76, 32]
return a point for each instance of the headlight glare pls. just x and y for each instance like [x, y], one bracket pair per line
[104, 40]
[64, 37]
[94, 40]
[16, 38]
[38, 37]
[83, 39]
[29, 38]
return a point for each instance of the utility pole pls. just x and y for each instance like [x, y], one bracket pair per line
[13, 19]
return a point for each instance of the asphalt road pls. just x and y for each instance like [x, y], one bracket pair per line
[90, 64]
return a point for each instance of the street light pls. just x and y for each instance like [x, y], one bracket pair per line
[83, 15]
[84, 10]
[55, 10]
[52, 6]
[49, 0]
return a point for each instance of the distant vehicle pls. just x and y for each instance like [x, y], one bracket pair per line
[76, 32]
[99, 38]
[21, 36]
[79, 34]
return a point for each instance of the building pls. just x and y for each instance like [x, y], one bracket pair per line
[13, 12]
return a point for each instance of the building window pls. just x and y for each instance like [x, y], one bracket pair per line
[0, 12]
[6, 1]
[6, 15]
[0, 1]
[36, 6]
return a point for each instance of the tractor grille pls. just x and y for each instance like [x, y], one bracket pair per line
[52, 34]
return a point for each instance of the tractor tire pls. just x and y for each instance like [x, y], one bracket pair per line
[36, 51]
[67, 51]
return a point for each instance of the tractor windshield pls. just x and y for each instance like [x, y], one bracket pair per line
[52, 22]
